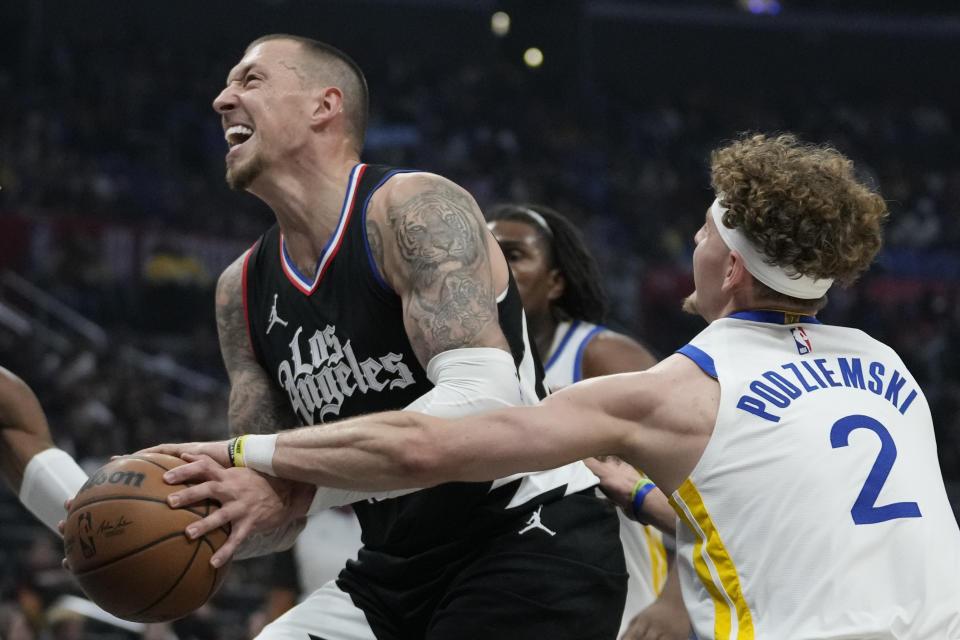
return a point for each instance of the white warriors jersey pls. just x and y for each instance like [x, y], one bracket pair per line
[817, 510]
[642, 545]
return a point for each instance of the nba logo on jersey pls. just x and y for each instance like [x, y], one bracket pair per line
[803, 343]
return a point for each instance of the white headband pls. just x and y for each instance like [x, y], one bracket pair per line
[540, 220]
[786, 281]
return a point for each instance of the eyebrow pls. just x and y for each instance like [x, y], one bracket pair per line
[242, 72]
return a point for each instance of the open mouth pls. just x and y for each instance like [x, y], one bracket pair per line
[237, 135]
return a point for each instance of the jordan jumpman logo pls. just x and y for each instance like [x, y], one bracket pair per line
[274, 317]
[534, 523]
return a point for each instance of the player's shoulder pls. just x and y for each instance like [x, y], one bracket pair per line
[232, 275]
[407, 183]
[229, 291]
[685, 392]
[411, 190]
[610, 351]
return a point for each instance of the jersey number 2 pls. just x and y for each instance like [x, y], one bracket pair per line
[865, 509]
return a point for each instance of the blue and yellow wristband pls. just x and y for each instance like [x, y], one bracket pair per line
[640, 490]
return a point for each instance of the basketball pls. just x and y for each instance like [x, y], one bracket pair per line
[127, 548]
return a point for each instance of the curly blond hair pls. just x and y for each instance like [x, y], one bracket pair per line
[800, 204]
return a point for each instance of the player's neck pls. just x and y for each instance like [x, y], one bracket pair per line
[307, 200]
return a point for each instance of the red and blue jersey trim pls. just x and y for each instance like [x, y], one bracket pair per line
[366, 241]
[246, 307]
[301, 282]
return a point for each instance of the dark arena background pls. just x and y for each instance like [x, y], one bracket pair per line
[115, 220]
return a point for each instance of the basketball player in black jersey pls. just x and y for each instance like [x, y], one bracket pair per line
[382, 289]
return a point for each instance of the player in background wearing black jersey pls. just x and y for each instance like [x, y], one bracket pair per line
[559, 283]
[377, 289]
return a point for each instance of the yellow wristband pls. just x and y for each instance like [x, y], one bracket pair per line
[238, 451]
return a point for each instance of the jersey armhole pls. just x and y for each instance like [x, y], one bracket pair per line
[700, 358]
[578, 361]
[366, 241]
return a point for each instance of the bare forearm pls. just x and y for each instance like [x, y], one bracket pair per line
[406, 449]
[658, 512]
[16, 450]
[619, 482]
[370, 453]
[256, 405]
[23, 428]
[43, 476]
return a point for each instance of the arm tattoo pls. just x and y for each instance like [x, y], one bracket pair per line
[256, 406]
[442, 248]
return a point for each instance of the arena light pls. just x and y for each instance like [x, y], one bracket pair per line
[760, 7]
[533, 57]
[500, 23]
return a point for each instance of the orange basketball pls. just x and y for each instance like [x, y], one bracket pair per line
[127, 547]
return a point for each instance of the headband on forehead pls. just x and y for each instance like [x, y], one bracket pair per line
[539, 219]
[783, 280]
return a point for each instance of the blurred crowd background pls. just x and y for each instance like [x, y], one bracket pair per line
[115, 220]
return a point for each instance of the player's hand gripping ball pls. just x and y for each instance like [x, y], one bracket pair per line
[127, 547]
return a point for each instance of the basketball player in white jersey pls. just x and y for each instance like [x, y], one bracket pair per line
[799, 456]
[559, 284]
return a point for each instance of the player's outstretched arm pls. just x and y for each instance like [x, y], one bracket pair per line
[43, 476]
[652, 418]
[659, 419]
[399, 448]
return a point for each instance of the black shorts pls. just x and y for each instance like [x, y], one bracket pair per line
[557, 573]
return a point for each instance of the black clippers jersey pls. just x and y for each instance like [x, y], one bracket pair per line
[336, 345]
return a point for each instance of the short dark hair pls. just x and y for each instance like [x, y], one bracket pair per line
[336, 66]
[583, 297]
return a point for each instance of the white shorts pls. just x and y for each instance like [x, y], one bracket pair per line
[327, 611]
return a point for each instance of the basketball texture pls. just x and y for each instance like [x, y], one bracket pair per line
[127, 547]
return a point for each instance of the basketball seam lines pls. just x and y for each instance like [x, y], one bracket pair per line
[216, 571]
[129, 553]
[153, 462]
[128, 497]
[173, 586]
